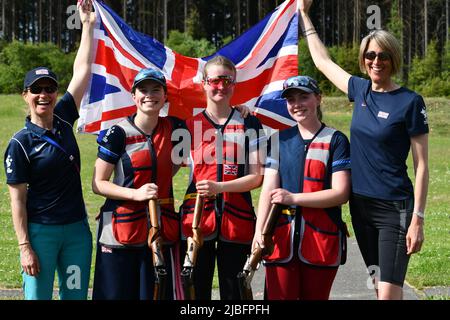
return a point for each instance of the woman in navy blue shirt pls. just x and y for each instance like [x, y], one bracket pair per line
[42, 164]
[387, 211]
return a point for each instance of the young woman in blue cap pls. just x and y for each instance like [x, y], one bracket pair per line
[42, 163]
[388, 120]
[309, 176]
[139, 152]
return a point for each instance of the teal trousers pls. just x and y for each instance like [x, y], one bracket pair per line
[66, 249]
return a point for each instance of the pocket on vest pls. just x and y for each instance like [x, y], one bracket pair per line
[207, 223]
[130, 223]
[319, 247]
[237, 225]
[282, 239]
[170, 223]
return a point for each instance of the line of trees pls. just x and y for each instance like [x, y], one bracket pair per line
[199, 27]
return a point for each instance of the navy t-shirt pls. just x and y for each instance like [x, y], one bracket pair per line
[382, 126]
[289, 161]
[54, 186]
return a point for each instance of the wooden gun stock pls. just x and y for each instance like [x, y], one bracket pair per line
[154, 242]
[194, 243]
[245, 277]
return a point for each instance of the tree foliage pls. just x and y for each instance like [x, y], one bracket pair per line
[186, 45]
[17, 58]
[199, 27]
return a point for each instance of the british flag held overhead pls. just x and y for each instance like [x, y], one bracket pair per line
[264, 55]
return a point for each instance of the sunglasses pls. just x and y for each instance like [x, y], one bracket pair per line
[382, 56]
[301, 81]
[34, 89]
[225, 81]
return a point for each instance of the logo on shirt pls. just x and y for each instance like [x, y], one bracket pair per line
[38, 148]
[8, 164]
[382, 114]
[425, 116]
[105, 138]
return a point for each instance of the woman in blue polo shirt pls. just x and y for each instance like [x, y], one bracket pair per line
[42, 164]
[308, 174]
[387, 212]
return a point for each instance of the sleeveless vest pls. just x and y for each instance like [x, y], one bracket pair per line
[220, 154]
[311, 232]
[145, 160]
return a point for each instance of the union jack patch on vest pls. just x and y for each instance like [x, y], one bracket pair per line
[230, 169]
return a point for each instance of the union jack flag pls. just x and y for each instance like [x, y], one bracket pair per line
[230, 169]
[264, 56]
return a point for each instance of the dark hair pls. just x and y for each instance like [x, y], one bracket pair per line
[319, 113]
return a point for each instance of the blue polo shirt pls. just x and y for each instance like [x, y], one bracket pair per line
[382, 126]
[54, 185]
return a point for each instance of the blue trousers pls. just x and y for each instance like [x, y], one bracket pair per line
[66, 249]
[128, 273]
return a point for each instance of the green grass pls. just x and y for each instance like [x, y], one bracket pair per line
[431, 267]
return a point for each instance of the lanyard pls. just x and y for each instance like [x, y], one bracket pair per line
[55, 144]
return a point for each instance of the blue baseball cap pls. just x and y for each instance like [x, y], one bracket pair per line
[304, 83]
[150, 74]
[38, 73]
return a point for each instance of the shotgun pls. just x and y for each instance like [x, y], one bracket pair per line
[245, 277]
[154, 242]
[194, 243]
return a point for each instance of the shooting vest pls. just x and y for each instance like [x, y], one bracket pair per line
[221, 153]
[314, 234]
[145, 159]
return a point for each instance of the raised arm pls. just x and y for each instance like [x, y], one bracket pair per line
[319, 52]
[83, 59]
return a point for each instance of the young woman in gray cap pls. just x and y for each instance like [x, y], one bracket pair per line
[42, 164]
[309, 177]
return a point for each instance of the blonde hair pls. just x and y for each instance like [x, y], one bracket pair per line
[385, 41]
[219, 61]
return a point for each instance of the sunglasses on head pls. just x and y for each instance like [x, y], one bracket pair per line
[296, 82]
[35, 89]
[301, 81]
[371, 55]
[226, 81]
